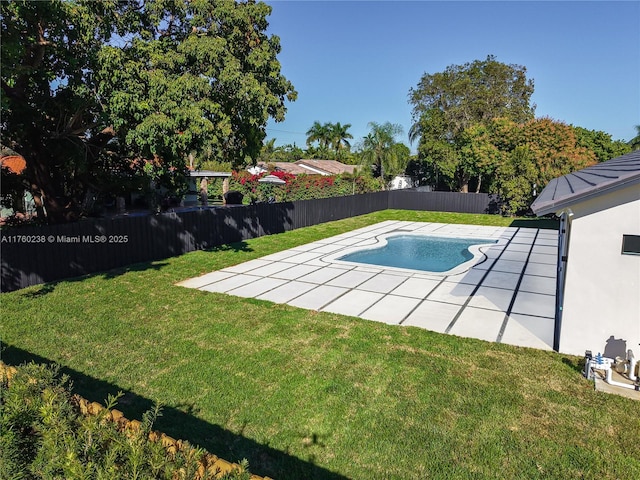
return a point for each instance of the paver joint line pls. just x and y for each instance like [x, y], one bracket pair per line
[515, 292]
[457, 316]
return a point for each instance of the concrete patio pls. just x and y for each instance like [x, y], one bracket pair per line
[508, 296]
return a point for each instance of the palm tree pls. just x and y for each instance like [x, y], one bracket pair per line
[319, 133]
[415, 132]
[378, 146]
[267, 151]
[339, 136]
[634, 143]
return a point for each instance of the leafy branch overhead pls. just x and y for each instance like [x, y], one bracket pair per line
[89, 87]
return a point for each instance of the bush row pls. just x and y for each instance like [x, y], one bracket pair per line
[301, 187]
[48, 433]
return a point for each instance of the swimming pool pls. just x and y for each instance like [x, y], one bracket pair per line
[428, 253]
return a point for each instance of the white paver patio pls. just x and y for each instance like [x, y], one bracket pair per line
[353, 303]
[536, 332]
[416, 287]
[508, 295]
[435, 316]
[318, 297]
[391, 309]
[287, 292]
[478, 323]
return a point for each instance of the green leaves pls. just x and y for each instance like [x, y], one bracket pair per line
[601, 144]
[521, 155]
[475, 92]
[446, 104]
[44, 435]
[332, 135]
[88, 84]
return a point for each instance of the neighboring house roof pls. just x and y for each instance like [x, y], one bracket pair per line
[326, 167]
[310, 167]
[562, 192]
[287, 167]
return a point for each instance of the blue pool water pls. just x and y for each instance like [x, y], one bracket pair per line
[432, 254]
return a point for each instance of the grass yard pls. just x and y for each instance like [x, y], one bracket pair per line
[308, 395]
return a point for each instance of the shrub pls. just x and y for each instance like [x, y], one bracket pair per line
[301, 187]
[44, 435]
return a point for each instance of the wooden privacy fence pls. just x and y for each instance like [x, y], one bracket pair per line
[443, 201]
[37, 254]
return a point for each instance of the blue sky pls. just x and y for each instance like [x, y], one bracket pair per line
[355, 61]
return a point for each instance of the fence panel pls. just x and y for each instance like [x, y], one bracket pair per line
[38, 254]
[442, 201]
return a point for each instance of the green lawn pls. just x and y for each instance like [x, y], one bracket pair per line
[303, 394]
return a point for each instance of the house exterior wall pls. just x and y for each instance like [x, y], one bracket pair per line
[601, 307]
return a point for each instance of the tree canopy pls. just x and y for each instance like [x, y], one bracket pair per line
[600, 143]
[445, 104]
[95, 92]
[534, 153]
[331, 138]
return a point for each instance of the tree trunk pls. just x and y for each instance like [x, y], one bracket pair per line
[48, 194]
[204, 192]
[37, 200]
[479, 183]
[463, 182]
[52, 204]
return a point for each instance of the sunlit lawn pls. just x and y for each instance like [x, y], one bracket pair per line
[303, 394]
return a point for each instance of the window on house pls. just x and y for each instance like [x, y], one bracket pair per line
[631, 244]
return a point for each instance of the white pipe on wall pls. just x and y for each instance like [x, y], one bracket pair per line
[632, 365]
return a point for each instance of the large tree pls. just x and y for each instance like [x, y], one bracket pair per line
[516, 159]
[447, 103]
[92, 89]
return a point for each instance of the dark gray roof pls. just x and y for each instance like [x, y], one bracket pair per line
[569, 189]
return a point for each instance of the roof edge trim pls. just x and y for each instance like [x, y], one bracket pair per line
[566, 202]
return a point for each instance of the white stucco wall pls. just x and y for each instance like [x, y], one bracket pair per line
[601, 310]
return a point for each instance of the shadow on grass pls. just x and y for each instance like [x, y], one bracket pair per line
[41, 291]
[577, 365]
[47, 288]
[182, 423]
[100, 245]
[231, 247]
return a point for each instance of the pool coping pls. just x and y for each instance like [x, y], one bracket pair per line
[477, 250]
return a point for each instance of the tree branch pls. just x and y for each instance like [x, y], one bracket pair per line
[13, 92]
